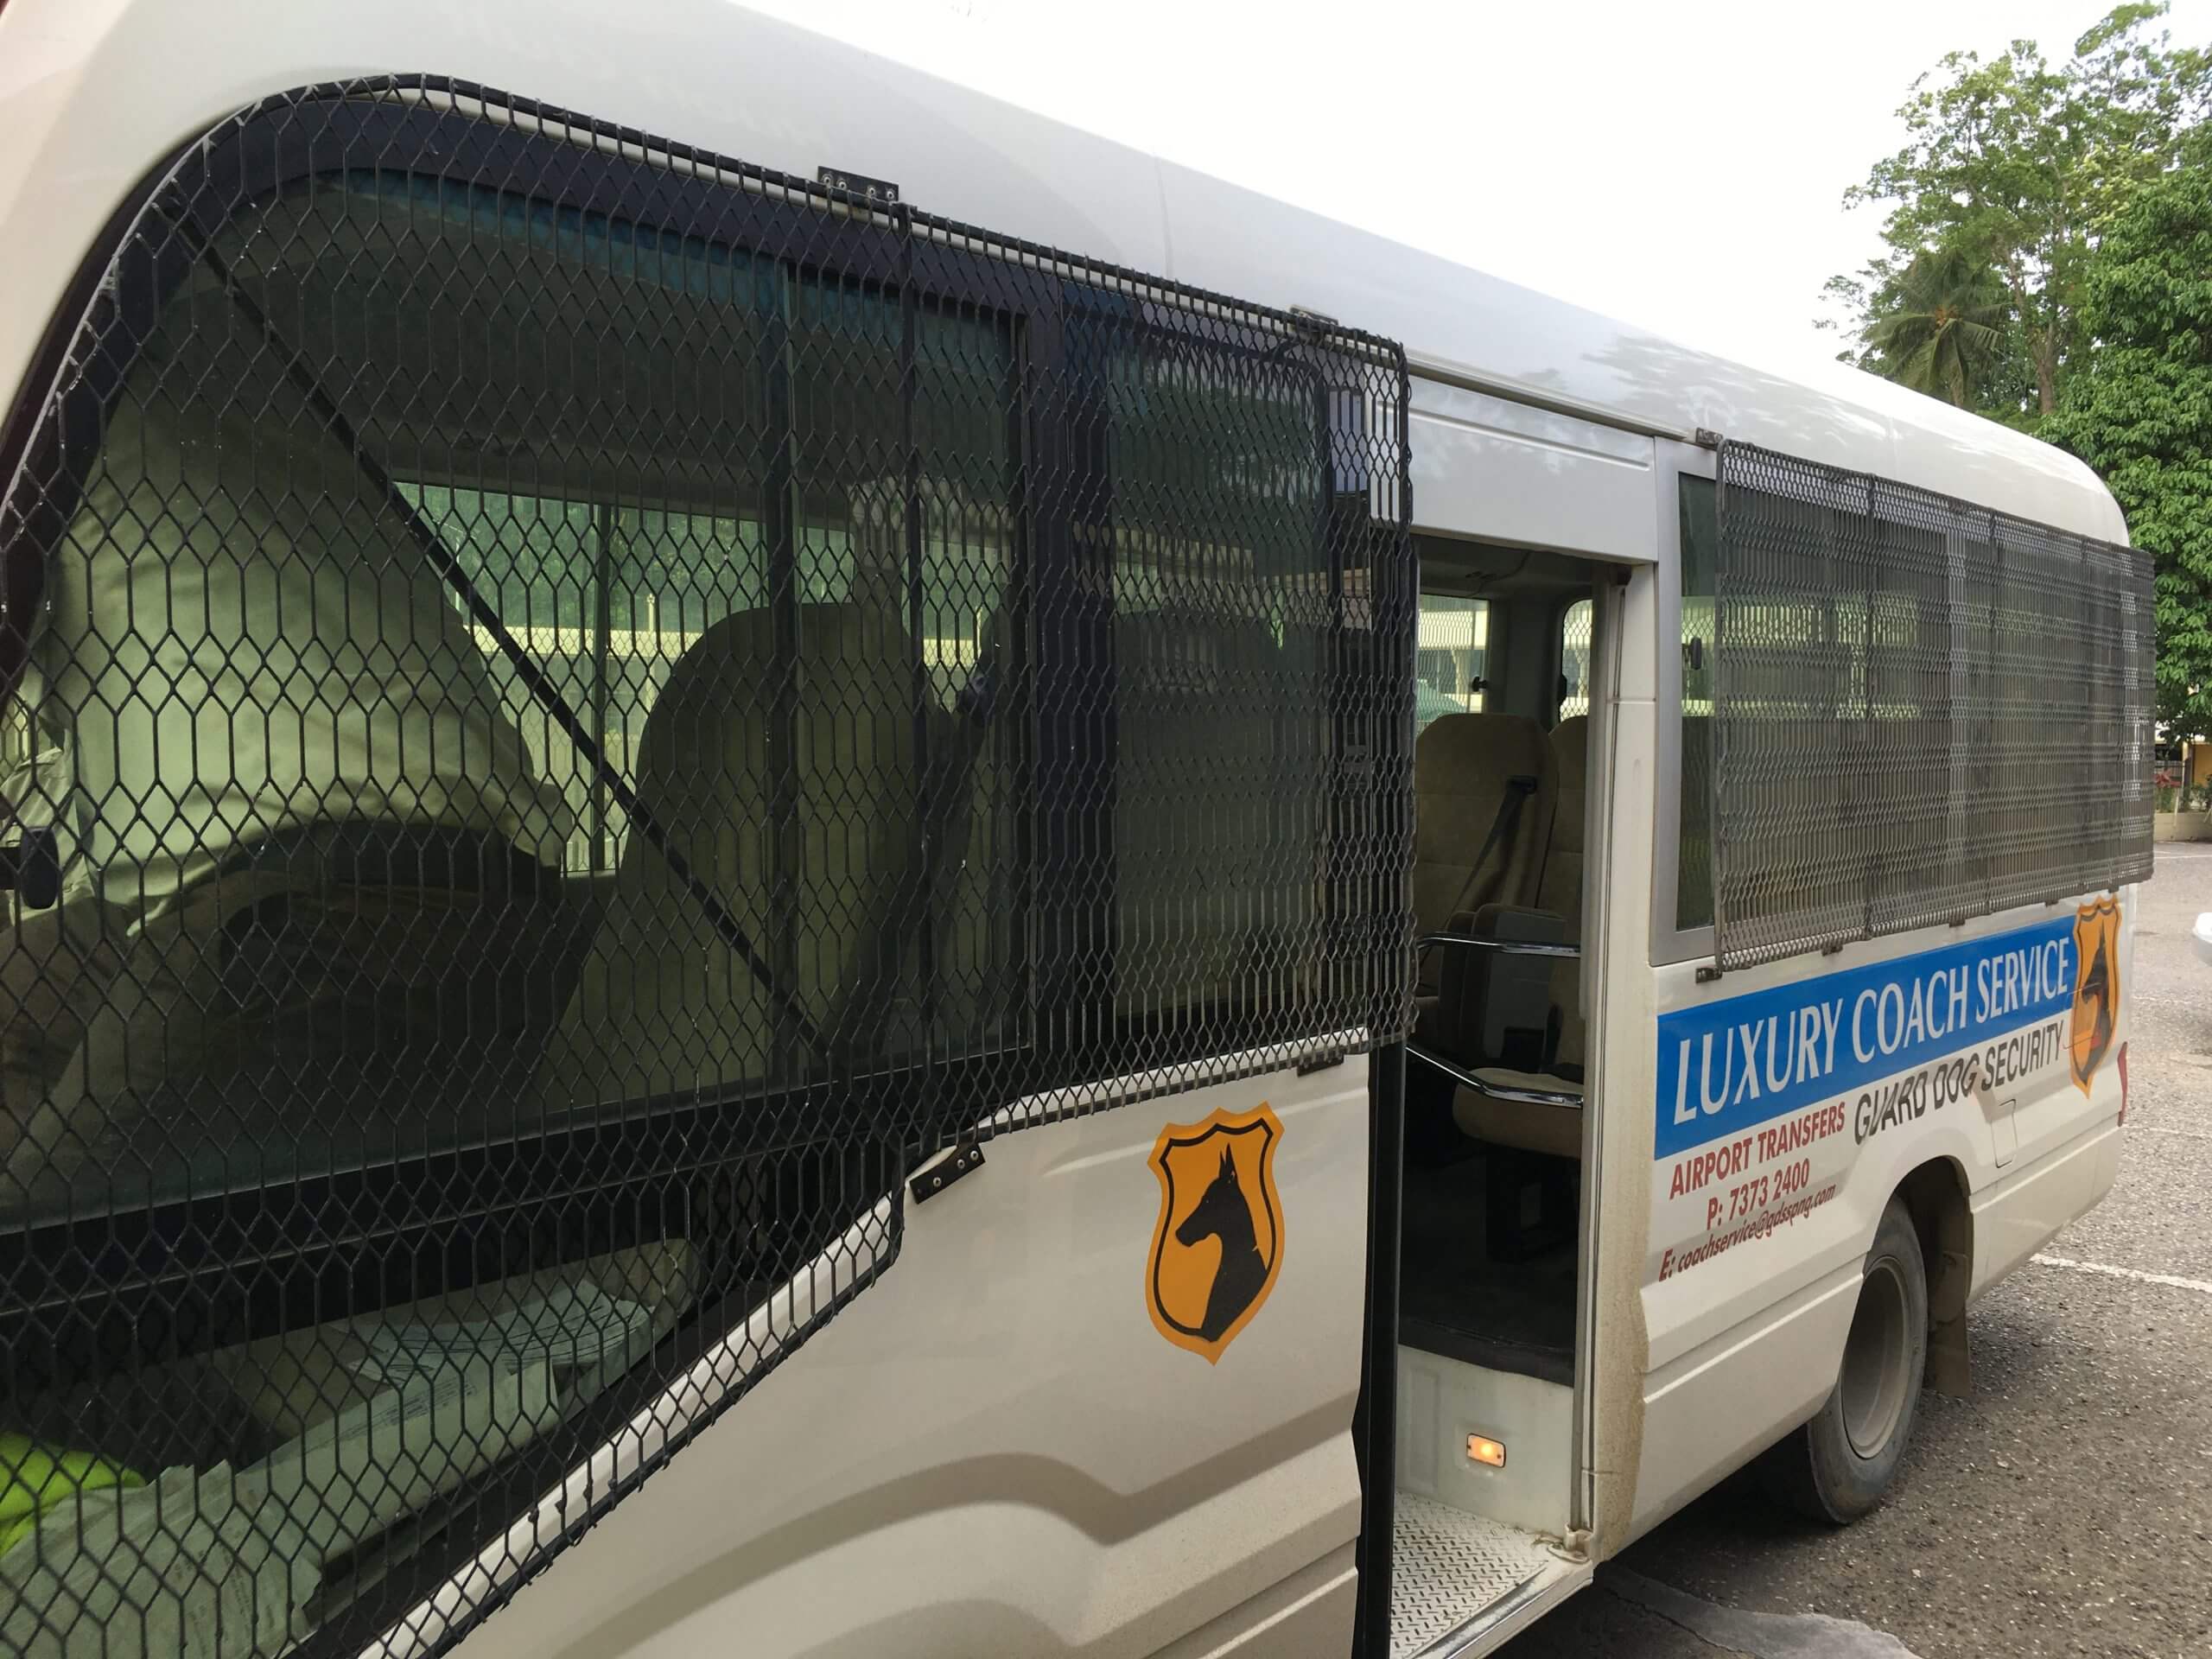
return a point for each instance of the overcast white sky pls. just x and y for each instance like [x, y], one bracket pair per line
[1677, 166]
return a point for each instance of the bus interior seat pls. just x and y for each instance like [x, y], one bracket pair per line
[1488, 1251]
[1551, 1129]
[1484, 788]
[291, 581]
[448, 1056]
[1560, 890]
[667, 1006]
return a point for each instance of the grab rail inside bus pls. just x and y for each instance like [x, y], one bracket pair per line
[1502, 947]
[1460, 1074]
[1466, 1075]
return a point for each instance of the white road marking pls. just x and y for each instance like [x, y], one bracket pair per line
[2203, 1286]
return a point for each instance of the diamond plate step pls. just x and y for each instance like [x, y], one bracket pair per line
[1447, 1567]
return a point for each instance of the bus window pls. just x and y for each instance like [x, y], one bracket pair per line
[1222, 604]
[613, 517]
[1887, 664]
[1802, 660]
[1575, 661]
[1454, 645]
[372, 664]
[570, 585]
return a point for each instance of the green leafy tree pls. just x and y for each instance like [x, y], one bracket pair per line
[1946, 326]
[2139, 410]
[2011, 167]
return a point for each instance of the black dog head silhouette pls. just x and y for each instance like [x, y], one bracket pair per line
[1222, 1212]
[1221, 1209]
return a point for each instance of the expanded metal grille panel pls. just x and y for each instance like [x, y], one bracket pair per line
[1923, 710]
[577, 707]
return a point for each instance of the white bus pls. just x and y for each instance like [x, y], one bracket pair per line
[797, 867]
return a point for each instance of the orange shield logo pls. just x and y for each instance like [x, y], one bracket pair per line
[1218, 1246]
[2096, 987]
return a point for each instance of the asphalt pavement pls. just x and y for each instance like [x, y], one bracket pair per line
[2066, 1507]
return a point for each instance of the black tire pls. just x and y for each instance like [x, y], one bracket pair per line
[1837, 1466]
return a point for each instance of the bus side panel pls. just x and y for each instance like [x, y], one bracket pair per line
[1780, 1141]
[2017, 1216]
[995, 1451]
[1746, 1342]
[2068, 1136]
[1726, 1400]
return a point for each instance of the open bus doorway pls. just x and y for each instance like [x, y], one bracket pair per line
[1492, 1240]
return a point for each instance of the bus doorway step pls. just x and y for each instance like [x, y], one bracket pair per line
[1460, 1584]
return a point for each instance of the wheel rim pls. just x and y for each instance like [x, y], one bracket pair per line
[1874, 1362]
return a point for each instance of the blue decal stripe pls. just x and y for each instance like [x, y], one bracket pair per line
[1728, 1065]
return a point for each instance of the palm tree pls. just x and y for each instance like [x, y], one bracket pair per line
[1946, 325]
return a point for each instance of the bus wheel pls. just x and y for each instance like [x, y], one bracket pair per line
[1836, 1468]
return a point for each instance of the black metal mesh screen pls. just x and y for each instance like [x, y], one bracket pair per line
[1923, 710]
[577, 707]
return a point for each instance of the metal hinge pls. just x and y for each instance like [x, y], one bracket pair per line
[876, 192]
[966, 1156]
[1574, 1547]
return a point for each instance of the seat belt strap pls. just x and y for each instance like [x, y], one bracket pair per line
[1518, 789]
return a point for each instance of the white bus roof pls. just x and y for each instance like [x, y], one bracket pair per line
[95, 94]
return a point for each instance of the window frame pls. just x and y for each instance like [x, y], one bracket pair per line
[1671, 943]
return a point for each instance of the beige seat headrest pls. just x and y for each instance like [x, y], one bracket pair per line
[1456, 750]
[1463, 766]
